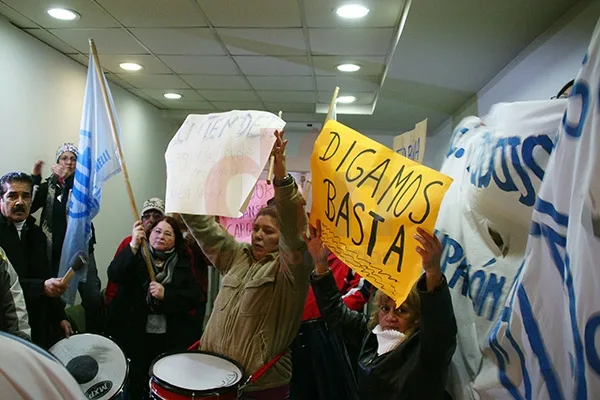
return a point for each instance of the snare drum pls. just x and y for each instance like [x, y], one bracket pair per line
[194, 375]
[97, 364]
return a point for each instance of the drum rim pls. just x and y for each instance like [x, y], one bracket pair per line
[125, 379]
[179, 390]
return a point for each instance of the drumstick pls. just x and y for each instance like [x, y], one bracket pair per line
[77, 262]
[271, 164]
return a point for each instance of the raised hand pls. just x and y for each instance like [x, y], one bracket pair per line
[431, 254]
[137, 234]
[60, 171]
[37, 168]
[317, 249]
[279, 168]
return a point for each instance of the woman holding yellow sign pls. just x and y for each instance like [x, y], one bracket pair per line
[406, 350]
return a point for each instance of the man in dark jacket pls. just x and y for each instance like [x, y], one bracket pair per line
[13, 315]
[25, 247]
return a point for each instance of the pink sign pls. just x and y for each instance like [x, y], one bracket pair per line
[241, 228]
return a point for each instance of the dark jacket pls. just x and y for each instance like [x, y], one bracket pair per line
[59, 214]
[28, 257]
[418, 368]
[128, 312]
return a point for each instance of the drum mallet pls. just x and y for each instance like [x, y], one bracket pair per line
[79, 260]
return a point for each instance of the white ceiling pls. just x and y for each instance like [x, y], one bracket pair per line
[281, 54]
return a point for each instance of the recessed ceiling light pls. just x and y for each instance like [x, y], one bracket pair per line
[348, 67]
[129, 66]
[352, 11]
[346, 99]
[62, 14]
[172, 96]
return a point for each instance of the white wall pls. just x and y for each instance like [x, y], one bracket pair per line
[539, 72]
[40, 108]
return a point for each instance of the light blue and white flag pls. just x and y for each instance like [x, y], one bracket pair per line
[98, 160]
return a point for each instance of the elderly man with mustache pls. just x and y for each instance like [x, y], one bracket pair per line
[25, 247]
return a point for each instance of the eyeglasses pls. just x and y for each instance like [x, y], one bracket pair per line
[167, 234]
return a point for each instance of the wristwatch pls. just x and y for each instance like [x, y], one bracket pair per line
[286, 180]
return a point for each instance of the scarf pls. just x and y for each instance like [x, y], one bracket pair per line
[387, 340]
[163, 264]
[47, 216]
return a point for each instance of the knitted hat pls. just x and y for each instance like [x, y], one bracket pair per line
[154, 204]
[66, 147]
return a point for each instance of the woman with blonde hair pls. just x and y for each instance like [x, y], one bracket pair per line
[406, 350]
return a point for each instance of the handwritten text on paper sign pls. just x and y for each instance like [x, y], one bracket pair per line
[411, 144]
[370, 201]
[214, 161]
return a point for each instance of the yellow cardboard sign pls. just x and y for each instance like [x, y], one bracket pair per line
[370, 201]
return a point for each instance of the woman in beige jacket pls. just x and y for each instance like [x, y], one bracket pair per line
[258, 310]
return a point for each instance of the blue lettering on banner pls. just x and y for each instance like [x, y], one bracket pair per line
[591, 351]
[582, 90]
[411, 151]
[458, 152]
[512, 152]
[481, 286]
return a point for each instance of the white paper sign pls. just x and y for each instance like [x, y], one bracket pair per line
[411, 144]
[214, 161]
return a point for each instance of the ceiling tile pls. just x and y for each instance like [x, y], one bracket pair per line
[201, 64]
[347, 84]
[141, 94]
[116, 79]
[230, 95]
[92, 16]
[255, 65]
[200, 107]
[151, 64]
[350, 41]
[290, 108]
[247, 14]
[225, 82]
[155, 13]
[154, 81]
[115, 41]
[282, 82]
[271, 42]
[188, 95]
[326, 65]
[382, 13]
[51, 40]
[273, 96]
[361, 97]
[182, 41]
[16, 18]
[237, 105]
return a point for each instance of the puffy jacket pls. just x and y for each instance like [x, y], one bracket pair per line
[418, 368]
[13, 318]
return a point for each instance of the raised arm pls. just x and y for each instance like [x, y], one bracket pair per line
[289, 202]
[218, 245]
[351, 324]
[438, 324]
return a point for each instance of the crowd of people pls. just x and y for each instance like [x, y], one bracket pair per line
[286, 302]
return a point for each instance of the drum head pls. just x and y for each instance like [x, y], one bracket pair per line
[97, 364]
[196, 372]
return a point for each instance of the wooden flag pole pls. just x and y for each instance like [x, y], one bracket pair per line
[113, 128]
[272, 163]
[336, 92]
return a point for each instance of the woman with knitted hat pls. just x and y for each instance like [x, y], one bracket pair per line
[52, 196]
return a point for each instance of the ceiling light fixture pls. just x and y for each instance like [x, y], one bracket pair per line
[348, 67]
[129, 66]
[63, 14]
[172, 96]
[352, 11]
[346, 99]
